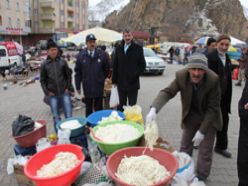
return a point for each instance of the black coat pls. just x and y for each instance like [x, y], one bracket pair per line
[91, 72]
[128, 67]
[215, 64]
[55, 76]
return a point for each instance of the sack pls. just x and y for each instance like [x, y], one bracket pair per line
[114, 97]
[22, 125]
[134, 113]
[186, 170]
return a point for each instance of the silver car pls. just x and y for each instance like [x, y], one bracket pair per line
[154, 64]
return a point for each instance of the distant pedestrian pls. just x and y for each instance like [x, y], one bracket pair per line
[171, 52]
[56, 82]
[220, 63]
[243, 61]
[211, 45]
[129, 64]
[91, 70]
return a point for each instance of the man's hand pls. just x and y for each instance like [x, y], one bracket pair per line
[151, 116]
[50, 94]
[246, 106]
[198, 138]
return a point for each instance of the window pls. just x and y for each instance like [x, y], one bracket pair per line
[35, 11]
[2, 53]
[62, 24]
[17, 7]
[9, 22]
[18, 23]
[62, 12]
[70, 2]
[1, 21]
[7, 4]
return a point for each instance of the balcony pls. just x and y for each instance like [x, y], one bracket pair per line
[47, 30]
[70, 19]
[70, 9]
[47, 4]
[47, 16]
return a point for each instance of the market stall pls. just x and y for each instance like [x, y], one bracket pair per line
[97, 151]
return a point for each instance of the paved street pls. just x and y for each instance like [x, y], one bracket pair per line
[28, 100]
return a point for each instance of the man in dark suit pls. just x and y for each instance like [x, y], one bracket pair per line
[220, 63]
[91, 70]
[129, 64]
[201, 114]
[243, 135]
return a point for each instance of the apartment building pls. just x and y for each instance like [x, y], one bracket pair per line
[55, 18]
[14, 19]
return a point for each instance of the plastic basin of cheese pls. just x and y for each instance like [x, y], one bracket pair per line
[109, 148]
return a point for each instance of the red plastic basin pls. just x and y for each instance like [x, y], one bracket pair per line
[47, 155]
[31, 138]
[165, 158]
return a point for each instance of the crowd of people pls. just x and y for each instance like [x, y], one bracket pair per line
[205, 85]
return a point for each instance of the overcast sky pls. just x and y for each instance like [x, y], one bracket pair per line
[93, 2]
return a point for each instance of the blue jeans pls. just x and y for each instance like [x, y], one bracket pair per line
[60, 102]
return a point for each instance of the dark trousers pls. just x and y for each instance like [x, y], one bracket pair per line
[125, 96]
[221, 137]
[243, 153]
[205, 154]
[93, 104]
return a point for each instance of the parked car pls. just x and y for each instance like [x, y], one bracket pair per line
[8, 56]
[154, 64]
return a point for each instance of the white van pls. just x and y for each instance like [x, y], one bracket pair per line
[8, 56]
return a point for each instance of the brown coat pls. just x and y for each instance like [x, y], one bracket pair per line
[208, 98]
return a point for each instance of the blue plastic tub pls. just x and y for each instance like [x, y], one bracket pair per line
[75, 132]
[97, 116]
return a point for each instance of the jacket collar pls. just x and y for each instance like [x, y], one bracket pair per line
[96, 52]
[49, 60]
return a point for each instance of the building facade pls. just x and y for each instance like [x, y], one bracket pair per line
[14, 20]
[55, 18]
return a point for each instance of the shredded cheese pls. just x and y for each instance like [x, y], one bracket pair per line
[151, 134]
[141, 171]
[117, 133]
[63, 161]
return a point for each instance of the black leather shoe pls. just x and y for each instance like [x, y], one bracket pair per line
[224, 153]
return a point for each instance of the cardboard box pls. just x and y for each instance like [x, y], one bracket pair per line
[21, 179]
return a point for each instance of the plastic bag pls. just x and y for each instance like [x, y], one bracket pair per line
[178, 181]
[22, 125]
[134, 113]
[186, 169]
[64, 136]
[114, 97]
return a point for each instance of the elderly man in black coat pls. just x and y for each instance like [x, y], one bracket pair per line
[220, 63]
[243, 135]
[129, 64]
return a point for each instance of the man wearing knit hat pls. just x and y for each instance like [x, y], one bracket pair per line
[201, 115]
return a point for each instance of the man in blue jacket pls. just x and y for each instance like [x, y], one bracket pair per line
[91, 70]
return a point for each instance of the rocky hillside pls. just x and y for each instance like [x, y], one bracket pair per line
[181, 20]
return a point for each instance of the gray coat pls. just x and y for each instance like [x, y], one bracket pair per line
[208, 98]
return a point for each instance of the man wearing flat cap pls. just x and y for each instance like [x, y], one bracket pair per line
[91, 70]
[201, 115]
